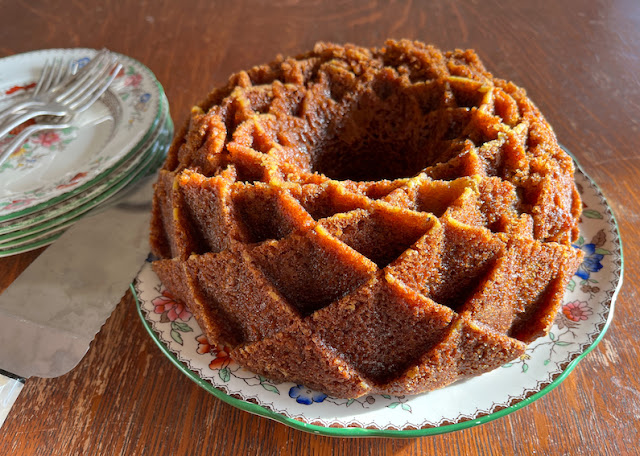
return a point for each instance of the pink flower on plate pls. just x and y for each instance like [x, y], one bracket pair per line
[47, 138]
[17, 203]
[133, 80]
[577, 310]
[173, 309]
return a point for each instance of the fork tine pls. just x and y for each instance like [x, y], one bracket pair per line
[91, 83]
[91, 97]
[73, 68]
[60, 73]
[46, 85]
[82, 76]
[44, 76]
[40, 85]
[69, 71]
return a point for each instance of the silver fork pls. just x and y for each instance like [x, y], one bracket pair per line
[51, 83]
[67, 98]
[81, 102]
[21, 137]
[52, 73]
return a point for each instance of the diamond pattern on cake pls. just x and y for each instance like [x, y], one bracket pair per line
[297, 353]
[391, 308]
[522, 293]
[468, 349]
[450, 253]
[228, 285]
[312, 270]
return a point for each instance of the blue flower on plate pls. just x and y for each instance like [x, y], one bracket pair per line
[82, 62]
[145, 97]
[591, 262]
[306, 396]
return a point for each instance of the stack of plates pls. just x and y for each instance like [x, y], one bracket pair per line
[58, 176]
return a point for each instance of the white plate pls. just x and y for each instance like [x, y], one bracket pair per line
[67, 209]
[41, 239]
[586, 313]
[37, 237]
[54, 163]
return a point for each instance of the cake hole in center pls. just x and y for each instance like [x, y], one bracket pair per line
[386, 138]
[368, 161]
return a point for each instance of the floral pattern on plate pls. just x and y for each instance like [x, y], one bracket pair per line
[100, 138]
[585, 315]
[53, 224]
[36, 147]
[130, 88]
[80, 197]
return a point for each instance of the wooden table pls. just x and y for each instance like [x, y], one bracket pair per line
[579, 61]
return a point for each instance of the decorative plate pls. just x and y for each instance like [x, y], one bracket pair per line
[77, 197]
[52, 164]
[53, 230]
[586, 313]
[37, 237]
[55, 214]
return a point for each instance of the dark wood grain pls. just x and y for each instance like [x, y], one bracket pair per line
[579, 61]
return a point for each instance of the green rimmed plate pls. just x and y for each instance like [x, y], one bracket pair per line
[149, 165]
[55, 210]
[63, 214]
[53, 166]
[585, 316]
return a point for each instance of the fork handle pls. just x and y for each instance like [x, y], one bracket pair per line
[23, 136]
[17, 142]
[13, 109]
[28, 115]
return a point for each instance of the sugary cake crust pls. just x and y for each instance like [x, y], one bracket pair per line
[368, 220]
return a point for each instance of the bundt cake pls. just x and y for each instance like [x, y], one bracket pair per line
[368, 220]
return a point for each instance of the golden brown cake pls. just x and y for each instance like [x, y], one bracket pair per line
[368, 220]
